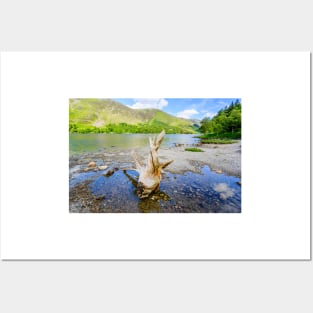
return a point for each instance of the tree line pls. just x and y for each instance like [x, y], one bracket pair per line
[226, 124]
[121, 128]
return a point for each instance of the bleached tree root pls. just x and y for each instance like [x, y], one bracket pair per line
[150, 175]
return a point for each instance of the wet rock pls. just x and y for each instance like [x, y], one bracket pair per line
[100, 198]
[102, 167]
[109, 172]
[87, 169]
[92, 164]
[166, 198]
[218, 171]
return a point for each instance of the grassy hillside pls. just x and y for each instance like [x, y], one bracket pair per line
[105, 115]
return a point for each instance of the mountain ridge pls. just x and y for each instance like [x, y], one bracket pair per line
[106, 115]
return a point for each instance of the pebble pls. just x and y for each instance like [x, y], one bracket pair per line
[92, 164]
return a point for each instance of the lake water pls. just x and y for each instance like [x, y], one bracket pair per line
[204, 192]
[95, 142]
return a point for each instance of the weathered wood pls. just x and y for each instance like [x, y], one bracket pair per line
[150, 175]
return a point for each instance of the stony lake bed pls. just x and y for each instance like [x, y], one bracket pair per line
[104, 181]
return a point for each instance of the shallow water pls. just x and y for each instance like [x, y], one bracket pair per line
[206, 192]
[94, 142]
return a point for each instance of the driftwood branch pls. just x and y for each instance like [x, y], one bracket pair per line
[150, 175]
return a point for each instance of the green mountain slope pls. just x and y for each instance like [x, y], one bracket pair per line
[105, 115]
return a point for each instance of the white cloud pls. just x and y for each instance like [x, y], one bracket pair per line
[155, 103]
[210, 114]
[187, 113]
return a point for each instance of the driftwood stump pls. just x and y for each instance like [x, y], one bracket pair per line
[150, 175]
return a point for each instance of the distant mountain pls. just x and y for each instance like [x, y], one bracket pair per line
[105, 115]
[195, 122]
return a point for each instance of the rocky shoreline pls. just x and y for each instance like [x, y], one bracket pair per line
[91, 169]
[223, 158]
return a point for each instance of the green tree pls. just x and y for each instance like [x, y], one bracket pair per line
[227, 121]
[204, 124]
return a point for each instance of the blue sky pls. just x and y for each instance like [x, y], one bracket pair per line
[196, 108]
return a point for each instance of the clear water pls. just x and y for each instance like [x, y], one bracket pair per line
[206, 192]
[80, 143]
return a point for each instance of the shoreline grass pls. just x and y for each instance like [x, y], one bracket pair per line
[194, 150]
[218, 141]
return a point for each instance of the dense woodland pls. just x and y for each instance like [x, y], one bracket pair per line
[226, 124]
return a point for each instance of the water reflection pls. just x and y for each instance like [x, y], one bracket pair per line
[150, 204]
[205, 192]
[224, 190]
[133, 181]
[95, 142]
